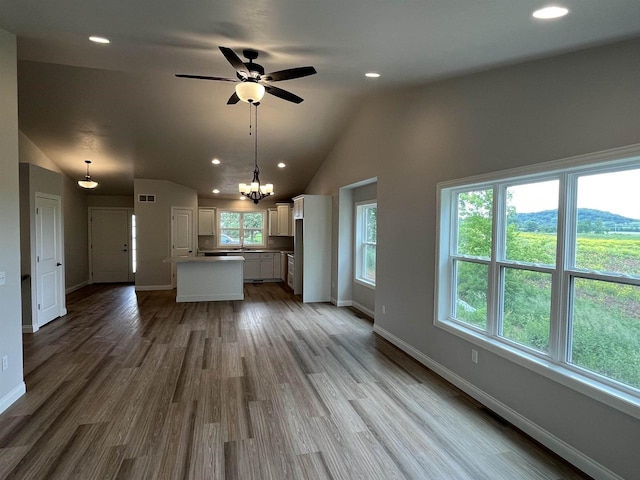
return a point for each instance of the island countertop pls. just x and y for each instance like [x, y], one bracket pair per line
[201, 259]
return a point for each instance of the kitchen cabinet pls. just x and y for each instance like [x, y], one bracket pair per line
[284, 225]
[298, 208]
[280, 220]
[312, 248]
[273, 222]
[251, 266]
[266, 266]
[206, 221]
[261, 265]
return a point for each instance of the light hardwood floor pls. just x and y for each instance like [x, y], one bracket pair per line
[133, 386]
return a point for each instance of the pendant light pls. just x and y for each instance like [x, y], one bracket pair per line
[88, 182]
[254, 190]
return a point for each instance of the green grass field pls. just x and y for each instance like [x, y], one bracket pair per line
[606, 315]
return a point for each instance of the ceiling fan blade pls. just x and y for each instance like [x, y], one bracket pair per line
[203, 77]
[288, 74]
[283, 94]
[233, 99]
[234, 60]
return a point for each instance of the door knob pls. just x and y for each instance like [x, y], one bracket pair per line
[58, 264]
[123, 250]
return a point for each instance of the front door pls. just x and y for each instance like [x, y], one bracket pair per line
[49, 272]
[110, 245]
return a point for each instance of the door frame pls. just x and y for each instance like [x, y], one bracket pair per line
[34, 264]
[130, 213]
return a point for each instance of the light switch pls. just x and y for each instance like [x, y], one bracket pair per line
[3, 278]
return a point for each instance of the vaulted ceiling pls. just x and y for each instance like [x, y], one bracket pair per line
[121, 106]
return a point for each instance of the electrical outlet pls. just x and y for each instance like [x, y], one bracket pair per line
[474, 356]
[5, 362]
[3, 278]
[384, 309]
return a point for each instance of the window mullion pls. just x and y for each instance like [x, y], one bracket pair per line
[565, 253]
[497, 252]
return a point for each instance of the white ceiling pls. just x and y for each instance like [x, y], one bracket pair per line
[120, 105]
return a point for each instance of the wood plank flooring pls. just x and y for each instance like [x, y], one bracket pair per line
[136, 386]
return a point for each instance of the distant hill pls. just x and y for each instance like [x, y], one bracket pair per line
[589, 220]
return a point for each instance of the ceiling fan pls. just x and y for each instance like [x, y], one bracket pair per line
[251, 80]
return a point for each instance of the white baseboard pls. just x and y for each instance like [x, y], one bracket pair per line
[151, 288]
[76, 287]
[29, 328]
[12, 396]
[343, 303]
[555, 444]
[363, 309]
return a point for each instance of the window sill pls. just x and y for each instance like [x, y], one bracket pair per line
[365, 283]
[620, 400]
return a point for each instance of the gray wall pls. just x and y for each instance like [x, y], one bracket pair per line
[114, 201]
[507, 117]
[76, 225]
[153, 222]
[362, 296]
[11, 380]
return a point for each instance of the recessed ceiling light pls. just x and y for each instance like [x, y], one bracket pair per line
[215, 161]
[282, 165]
[372, 74]
[243, 198]
[96, 39]
[550, 12]
[215, 190]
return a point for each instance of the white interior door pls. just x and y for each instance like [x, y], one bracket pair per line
[181, 236]
[49, 271]
[110, 245]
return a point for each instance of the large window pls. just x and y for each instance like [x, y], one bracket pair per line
[241, 229]
[366, 232]
[544, 268]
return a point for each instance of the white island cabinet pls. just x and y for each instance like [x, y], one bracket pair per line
[208, 279]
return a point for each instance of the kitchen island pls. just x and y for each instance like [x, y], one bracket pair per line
[209, 279]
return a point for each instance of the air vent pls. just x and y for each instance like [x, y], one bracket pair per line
[147, 197]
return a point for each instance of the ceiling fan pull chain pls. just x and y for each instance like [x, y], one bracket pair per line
[256, 135]
[249, 119]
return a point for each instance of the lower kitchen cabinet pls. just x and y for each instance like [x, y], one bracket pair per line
[251, 266]
[261, 266]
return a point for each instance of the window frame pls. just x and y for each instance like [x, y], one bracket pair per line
[554, 364]
[221, 230]
[360, 242]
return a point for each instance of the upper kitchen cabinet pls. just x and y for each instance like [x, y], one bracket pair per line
[280, 221]
[284, 223]
[273, 221]
[298, 208]
[206, 221]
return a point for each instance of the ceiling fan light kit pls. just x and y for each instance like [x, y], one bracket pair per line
[88, 182]
[250, 91]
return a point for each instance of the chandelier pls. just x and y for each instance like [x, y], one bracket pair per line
[254, 190]
[88, 182]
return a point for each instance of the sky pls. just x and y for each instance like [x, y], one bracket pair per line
[617, 192]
